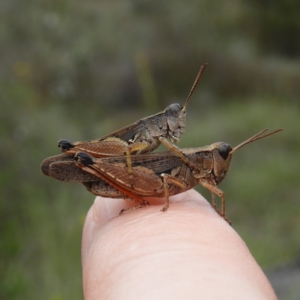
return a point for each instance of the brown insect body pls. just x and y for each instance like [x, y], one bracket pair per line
[140, 137]
[169, 123]
[149, 170]
[166, 173]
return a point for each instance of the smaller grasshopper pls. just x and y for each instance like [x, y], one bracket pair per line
[140, 137]
[166, 173]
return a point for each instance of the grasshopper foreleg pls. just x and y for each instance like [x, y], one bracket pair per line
[142, 204]
[174, 149]
[213, 203]
[216, 191]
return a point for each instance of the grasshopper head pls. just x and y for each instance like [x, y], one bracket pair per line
[176, 113]
[222, 158]
[223, 152]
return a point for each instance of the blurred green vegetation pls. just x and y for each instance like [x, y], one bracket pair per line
[79, 70]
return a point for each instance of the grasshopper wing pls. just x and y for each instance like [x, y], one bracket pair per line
[108, 147]
[69, 172]
[45, 165]
[126, 133]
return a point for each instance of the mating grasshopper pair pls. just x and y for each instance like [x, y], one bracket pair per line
[107, 167]
[140, 137]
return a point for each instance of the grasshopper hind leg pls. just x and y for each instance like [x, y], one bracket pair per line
[143, 203]
[172, 180]
[128, 151]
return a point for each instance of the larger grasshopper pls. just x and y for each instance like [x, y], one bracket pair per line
[140, 137]
[158, 174]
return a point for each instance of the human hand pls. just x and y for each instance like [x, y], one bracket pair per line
[188, 252]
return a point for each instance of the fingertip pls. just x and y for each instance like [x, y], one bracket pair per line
[105, 209]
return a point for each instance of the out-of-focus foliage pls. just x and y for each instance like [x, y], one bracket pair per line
[81, 69]
[278, 26]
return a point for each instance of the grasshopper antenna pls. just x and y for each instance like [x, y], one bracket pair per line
[254, 138]
[201, 71]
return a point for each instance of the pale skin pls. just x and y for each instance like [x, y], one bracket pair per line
[188, 252]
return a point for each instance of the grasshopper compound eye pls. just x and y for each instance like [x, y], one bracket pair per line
[65, 145]
[224, 150]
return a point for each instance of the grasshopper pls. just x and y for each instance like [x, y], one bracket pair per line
[162, 174]
[140, 137]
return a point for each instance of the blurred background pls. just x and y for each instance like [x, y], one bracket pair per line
[79, 70]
